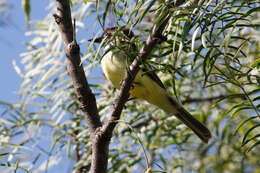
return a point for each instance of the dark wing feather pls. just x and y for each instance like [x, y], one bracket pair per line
[153, 76]
[148, 68]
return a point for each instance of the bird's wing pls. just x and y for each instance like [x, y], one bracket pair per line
[148, 69]
[152, 75]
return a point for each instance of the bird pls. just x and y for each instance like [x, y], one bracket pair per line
[119, 52]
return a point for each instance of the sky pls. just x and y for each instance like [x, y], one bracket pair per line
[12, 37]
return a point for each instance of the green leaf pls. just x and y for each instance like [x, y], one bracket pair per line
[248, 140]
[256, 63]
[248, 131]
[145, 12]
[105, 12]
[240, 109]
[27, 9]
[252, 10]
[194, 38]
[203, 39]
[253, 146]
[69, 146]
[238, 106]
[186, 29]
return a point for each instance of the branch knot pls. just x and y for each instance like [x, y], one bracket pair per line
[57, 18]
[72, 49]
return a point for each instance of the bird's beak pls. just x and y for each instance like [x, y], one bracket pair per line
[96, 40]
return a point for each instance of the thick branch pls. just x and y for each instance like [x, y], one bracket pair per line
[83, 92]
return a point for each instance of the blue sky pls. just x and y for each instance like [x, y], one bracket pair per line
[12, 36]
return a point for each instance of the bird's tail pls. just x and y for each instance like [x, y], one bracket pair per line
[197, 127]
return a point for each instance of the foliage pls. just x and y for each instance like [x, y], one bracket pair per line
[26, 5]
[210, 62]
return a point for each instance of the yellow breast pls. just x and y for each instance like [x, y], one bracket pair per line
[113, 68]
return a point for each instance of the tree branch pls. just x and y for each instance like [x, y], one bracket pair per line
[83, 92]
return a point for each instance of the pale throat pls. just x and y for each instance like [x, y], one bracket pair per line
[114, 65]
[117, 56]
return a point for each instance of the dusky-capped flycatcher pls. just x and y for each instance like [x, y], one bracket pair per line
[119, 52]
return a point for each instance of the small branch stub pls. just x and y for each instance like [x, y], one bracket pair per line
[72, 49]
[57, 18]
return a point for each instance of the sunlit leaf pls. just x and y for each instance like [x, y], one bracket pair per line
[26, 5]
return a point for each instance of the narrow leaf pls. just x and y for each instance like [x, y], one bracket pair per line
[247, 133]
[194, 38]
[27, 9]
[244, 122]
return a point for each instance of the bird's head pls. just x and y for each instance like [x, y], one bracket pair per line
[114, 34]
[118, 40]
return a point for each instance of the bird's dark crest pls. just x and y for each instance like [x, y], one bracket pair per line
[126, 31]
[110, 31]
